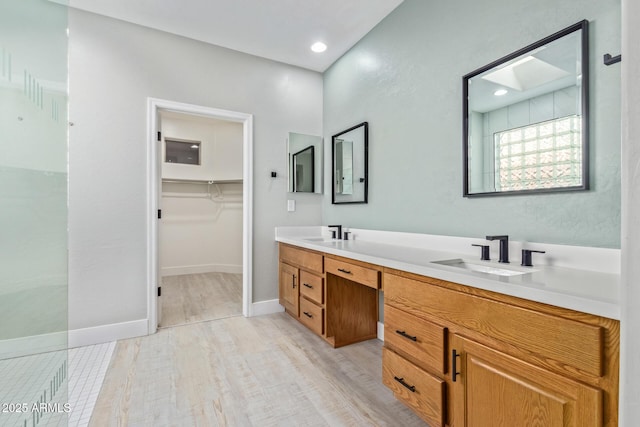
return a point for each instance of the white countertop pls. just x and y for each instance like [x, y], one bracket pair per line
[582, 290]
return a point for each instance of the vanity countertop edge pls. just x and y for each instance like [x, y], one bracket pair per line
[581, 290]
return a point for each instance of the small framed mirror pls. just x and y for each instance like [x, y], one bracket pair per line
[526, 119]
[350, 171]
[305, 163]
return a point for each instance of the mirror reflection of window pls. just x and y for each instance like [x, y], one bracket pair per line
[543, 155]
[181, 151]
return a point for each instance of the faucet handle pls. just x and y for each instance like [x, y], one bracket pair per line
[484, 255]
[337, 235]
[346, 234]
[526, 257]
[333, 234]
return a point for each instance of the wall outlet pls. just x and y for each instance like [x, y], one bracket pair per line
[291, 205]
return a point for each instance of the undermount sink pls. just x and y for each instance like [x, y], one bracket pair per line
[488, 268]
[320, 239]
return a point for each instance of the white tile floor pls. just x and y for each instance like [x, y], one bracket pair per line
[74, 376]
[87, 368]
[27, 381]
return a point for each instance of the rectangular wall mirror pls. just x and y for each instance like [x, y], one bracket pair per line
[350, 165]
[526, 119]
[305, 163]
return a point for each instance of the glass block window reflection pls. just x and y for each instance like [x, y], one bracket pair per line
[542, 155]
[182, 151]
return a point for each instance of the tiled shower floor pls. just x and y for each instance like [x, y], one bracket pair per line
[56, 378]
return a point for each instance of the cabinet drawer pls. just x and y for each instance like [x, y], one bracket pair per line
[302, 258]
[420, 340]
[570, 342]
[356, 273]
[311, 286]
[418, 389]
[312, 316]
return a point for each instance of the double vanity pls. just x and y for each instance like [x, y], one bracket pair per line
[466, 341]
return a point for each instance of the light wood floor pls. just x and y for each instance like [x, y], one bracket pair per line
[261, 371]
[194, 298]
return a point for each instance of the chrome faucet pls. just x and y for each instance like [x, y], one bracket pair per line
[504, 247]
[333, 232]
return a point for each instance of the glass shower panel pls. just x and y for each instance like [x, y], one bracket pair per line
[33, 213]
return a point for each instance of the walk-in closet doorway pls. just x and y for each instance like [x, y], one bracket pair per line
[200, 200]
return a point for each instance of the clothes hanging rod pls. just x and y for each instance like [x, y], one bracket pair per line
[197, 196]
[202, 182]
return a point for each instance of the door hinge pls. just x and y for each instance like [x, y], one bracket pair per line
[159, 136]
[159, 213]
[159, 291]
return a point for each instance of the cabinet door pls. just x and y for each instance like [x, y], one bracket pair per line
[494, 389]
[289, 290]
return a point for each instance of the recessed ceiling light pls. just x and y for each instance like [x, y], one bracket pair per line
[194, 146]
[500, 92]
[318, 47]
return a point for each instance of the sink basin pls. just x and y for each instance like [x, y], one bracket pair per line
[482, 267]
[320, 239]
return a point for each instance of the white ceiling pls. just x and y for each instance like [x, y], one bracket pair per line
[282, 30]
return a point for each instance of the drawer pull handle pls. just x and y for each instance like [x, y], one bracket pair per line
[411, 388]
[293, 281]
[454, 365]
[406, 335]
[342, 270]
[307, 314]
[308, 285]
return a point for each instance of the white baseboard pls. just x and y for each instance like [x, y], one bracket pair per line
[265, 307]
[138, 328]
[381, 331]
[108, 333]
[203, 268]
[24, 346]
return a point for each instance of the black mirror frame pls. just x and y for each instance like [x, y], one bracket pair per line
[582, 25]
[313, 171]
[366, 165]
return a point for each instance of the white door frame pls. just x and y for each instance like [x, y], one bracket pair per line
[153, 175]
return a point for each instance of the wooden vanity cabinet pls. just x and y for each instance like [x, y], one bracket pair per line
[458, 355]
[334, 297]
[301, 286]
[289, 288]
[503, 361]
[493, 388]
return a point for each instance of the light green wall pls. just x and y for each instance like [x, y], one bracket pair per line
[405, 79]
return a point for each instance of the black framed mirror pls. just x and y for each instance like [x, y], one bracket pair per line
[526, 119]
[304, 170]
[350, 166]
